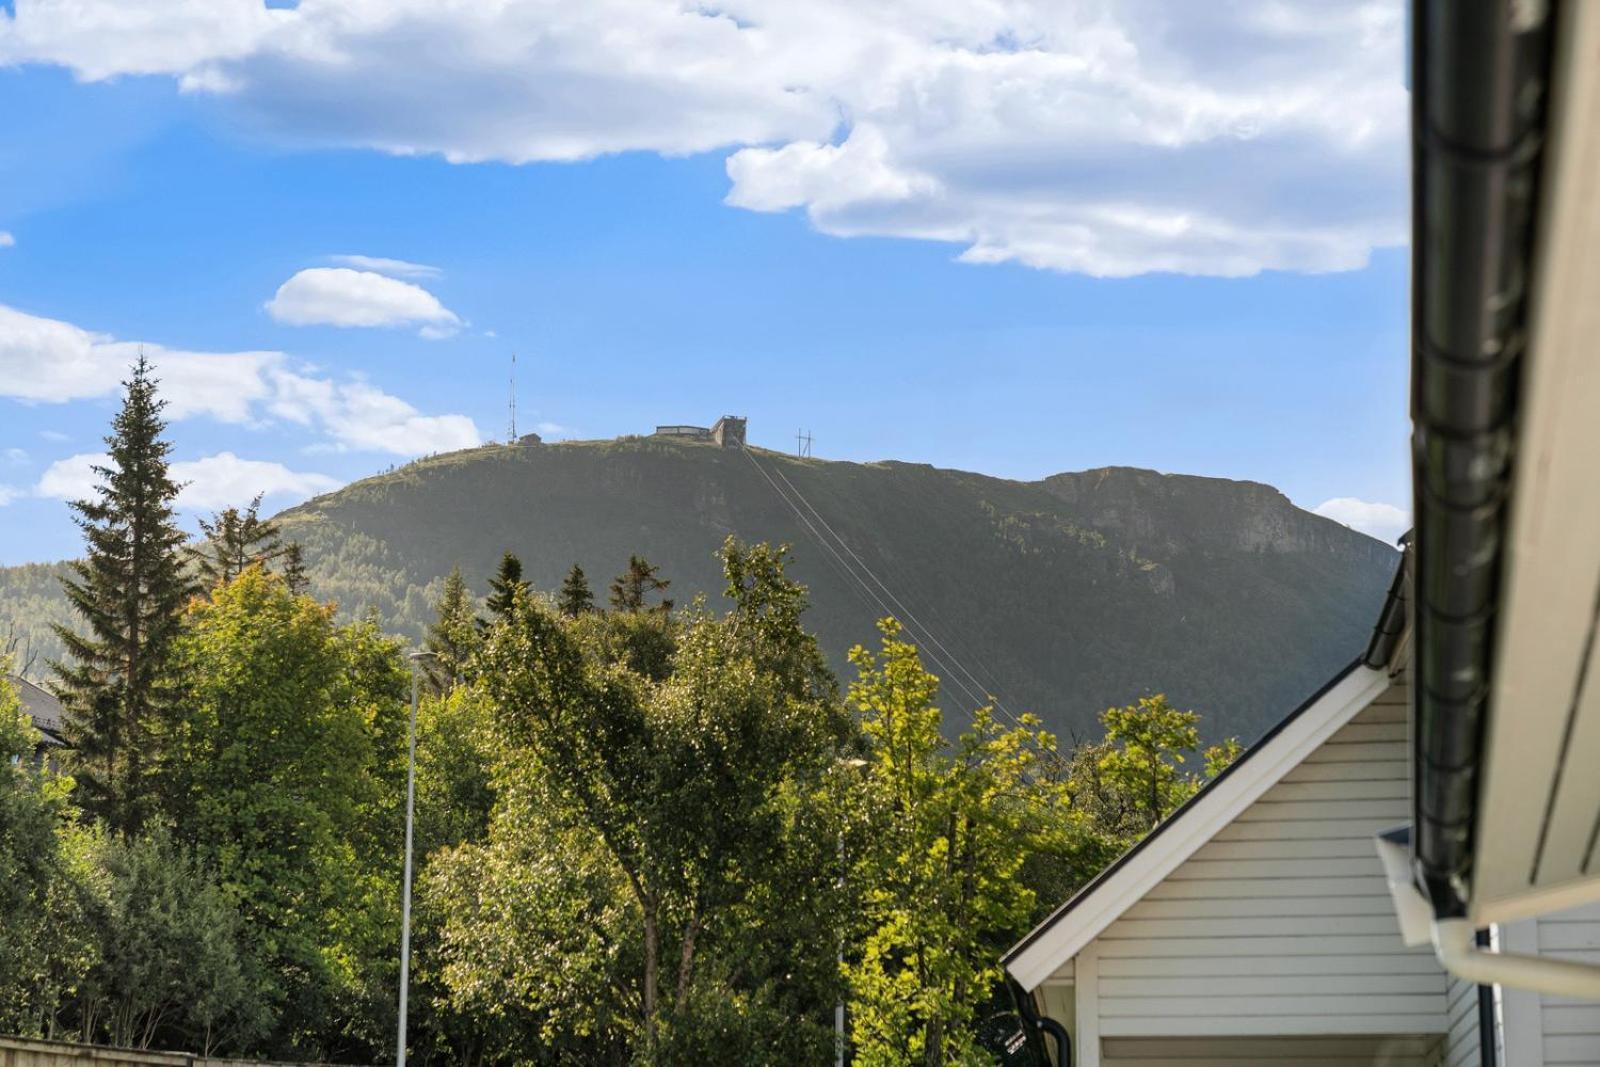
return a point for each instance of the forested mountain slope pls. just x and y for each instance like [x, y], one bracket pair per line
[1060, 596]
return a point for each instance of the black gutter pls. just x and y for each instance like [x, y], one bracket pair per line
[1122, 861]
[1392, 619]
[1478, 105]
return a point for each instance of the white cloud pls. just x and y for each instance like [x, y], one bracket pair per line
[359, 416]
[1383, 521]
[104, 39]
[73, 478]
[52, 361]
[49, 361]
[339, 296]
[225, 480]
[1079, 135]
[400, 268]
[219, 481]
[54, 435]
[6, 240]
[8, 494]
[15, 455]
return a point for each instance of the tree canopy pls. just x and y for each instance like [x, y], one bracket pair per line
[651, 834]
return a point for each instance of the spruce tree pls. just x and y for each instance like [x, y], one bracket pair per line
[235, 540]
[294, 568]
[575, 598]
[452, 636]
[504, 585]
[629, 589]
[130, 590]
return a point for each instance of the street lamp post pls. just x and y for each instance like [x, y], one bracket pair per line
[416, 659]
[838, 1007]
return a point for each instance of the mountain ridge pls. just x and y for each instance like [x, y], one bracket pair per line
[1060, 596]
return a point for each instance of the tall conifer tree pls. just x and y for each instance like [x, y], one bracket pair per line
[130, 590]
[503, 587]
[575, 598]
[294, 568]
[235, 539]
[452, 636]
[629, 589]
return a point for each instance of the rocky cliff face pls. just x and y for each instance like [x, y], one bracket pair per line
[1181, 513]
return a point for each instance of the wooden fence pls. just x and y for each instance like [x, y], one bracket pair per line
[26, 1052]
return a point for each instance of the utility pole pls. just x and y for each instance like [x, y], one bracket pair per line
[802, 443]
[416, 659]
[513, 438]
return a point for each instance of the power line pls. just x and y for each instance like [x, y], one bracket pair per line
[929, 652]
[897, 602]
[815, 533]
[836, 561]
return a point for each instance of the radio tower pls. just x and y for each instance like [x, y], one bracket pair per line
[513, 438]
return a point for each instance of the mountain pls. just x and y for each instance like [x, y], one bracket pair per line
[1060, 596]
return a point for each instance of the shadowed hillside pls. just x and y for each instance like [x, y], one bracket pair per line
[1060, 596]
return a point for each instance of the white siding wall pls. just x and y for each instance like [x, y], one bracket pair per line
[1267, 1051]
[1282, 924]
[1461, 1047]
[1571, 1027]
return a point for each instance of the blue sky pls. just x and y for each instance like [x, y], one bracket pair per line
[1199, 269]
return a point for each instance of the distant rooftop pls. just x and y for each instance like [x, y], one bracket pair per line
[42, 707]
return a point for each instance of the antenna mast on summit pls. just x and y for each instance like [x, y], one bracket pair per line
[513, 438]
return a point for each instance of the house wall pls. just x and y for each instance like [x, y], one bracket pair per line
[1461, 1046]
[1280, 927]
[1570, 1029]
[1388, 1051]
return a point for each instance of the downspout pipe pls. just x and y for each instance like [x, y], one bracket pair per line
[1455, 941]
[1488, 1024]
[1042, 1023]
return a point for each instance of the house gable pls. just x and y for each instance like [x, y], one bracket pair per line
[1211, 812]
[1281, 924]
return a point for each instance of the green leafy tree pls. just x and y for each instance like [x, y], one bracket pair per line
[46, 943]
[455, 760]
[947, 829]
[1220, 756]
[169, 967]
[631, 588]
[575, 598]
[1142, 758]
[372, 684]
[129, 591]
[270, 767]
[640, 817]
[505, 587]
[235, 539]
[452, 636]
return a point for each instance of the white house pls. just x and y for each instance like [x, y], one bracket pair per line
[1255, 926]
